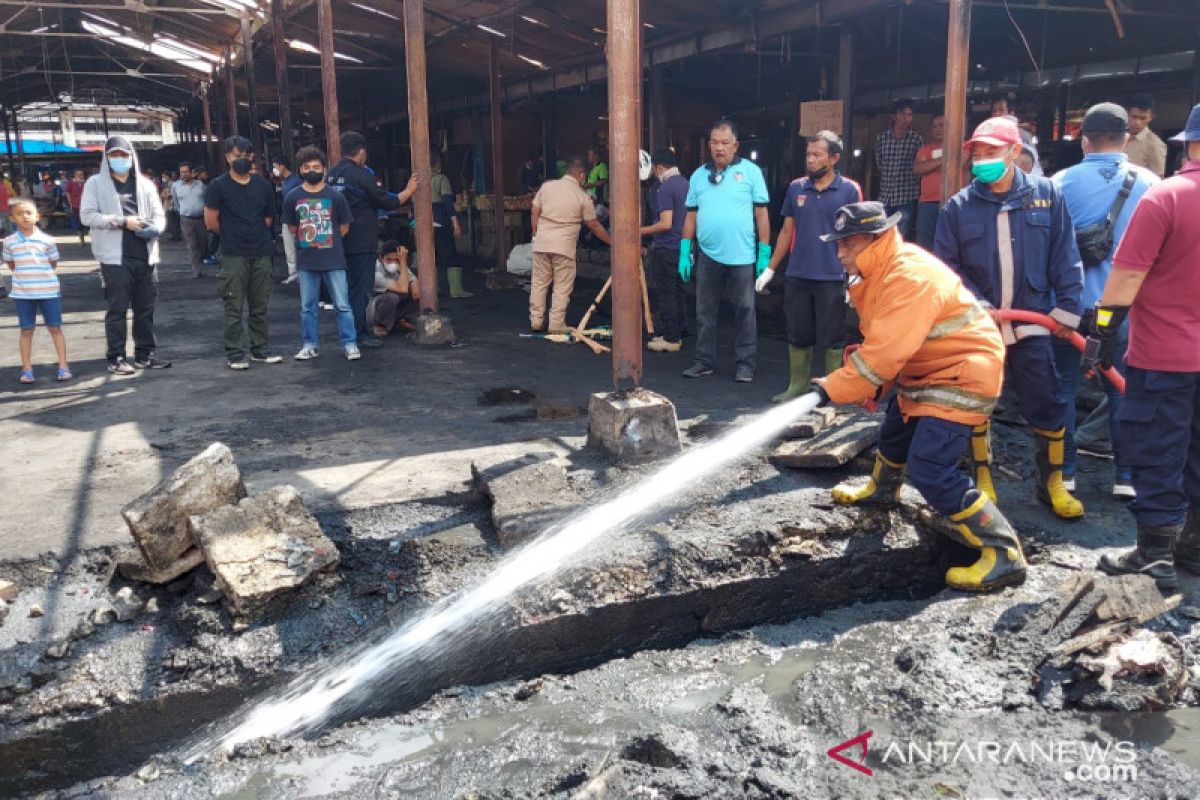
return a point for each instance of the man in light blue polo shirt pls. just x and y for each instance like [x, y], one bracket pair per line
[727, 214]
[1090, 189]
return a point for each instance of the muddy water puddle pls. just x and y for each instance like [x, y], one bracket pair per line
[1176, 731]
[585, 725]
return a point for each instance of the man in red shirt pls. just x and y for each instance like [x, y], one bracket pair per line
[928, 166]
[1155, 282]
[74, 197]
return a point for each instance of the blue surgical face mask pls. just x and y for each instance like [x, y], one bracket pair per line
[120, 164]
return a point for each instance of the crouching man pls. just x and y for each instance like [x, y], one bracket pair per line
[928, 334]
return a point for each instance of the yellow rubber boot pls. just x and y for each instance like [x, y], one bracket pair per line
[981, 458]
[799, 374]
[454, 276]
[1001, 563]
[881, 490]
[1050, 488]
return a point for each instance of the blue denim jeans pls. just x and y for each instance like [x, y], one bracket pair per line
[310, 291]
[927, 217]
[1068, 359]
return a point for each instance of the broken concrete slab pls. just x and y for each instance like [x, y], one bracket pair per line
[433, 329]
[8, 591]
[635, 426]
[158, 519]
[831, 448]
[810, 425]
[527, 497]
[135, 568]
[263, 547]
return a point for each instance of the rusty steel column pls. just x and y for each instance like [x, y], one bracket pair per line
[231, 108]
[333, 132]
[255, 133]
[211, 150]
[958, 62]
[281, 81]
[418, 136]
[624, 137]
[496, 109]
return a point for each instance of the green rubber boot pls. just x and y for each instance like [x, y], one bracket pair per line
[833, 360]
[800, 362]
[454, 276]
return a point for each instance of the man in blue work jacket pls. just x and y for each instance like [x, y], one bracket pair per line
[1091, 189]
[1009, 235]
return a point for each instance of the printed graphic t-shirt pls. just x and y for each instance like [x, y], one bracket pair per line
[317, 218]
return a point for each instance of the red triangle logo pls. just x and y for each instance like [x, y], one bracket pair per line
[861, 740]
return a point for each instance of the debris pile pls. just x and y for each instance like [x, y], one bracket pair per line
[1090, 649]
[257, 547]
[827, 439]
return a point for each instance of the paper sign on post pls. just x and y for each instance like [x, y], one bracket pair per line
[820, 115]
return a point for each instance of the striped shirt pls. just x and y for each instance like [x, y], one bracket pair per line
[30, 258]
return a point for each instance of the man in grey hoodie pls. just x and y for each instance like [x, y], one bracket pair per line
[123, 210]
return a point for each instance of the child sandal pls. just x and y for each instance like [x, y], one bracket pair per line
[27, 376]
[64, 374]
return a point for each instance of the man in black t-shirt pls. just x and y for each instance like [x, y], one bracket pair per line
[240, 206]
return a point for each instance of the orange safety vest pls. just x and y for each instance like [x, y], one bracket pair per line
[924, 330]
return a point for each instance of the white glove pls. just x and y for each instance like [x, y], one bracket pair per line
[760, 285]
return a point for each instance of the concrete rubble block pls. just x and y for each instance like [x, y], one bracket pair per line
[158, 519]
[136, 568]
[831, 448]
[263, 547]
[127, 605]
[8, 591]
[527, 497]
[636, 426]
[434, 329]
[810, 425]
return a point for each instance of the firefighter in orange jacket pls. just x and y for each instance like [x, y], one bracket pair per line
[928, 334]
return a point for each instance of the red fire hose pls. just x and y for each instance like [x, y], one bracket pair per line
[1050, 324]
[1011, 315]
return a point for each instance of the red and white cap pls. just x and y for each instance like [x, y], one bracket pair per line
[995, 131]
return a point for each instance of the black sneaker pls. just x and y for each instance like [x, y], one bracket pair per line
[150, 362]
[744, 375]
[266, 358]
[120, 366]
[697, 371]
[239, 363]
[370, 342]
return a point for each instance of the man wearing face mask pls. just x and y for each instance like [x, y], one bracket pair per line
[240, 207]
[1009, 236]
[924, 331]
[125, 214]
[351, 177]
[815, 295]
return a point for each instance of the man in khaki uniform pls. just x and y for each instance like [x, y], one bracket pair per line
[1144, 148]
[558, 209]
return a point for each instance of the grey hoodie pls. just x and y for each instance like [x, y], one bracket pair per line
[100, 208]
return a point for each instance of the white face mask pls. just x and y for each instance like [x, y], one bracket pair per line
[275, 171]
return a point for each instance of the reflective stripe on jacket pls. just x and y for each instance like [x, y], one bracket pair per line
[1045, 273]
[924, 330]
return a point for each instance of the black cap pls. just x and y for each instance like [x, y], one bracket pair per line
[118, 143]
[855, 218]
[1105, 118]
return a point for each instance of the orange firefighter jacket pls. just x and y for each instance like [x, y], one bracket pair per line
[926, 331]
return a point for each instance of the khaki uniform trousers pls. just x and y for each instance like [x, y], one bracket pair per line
[557, 269]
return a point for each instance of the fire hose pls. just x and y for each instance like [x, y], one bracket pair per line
[1009, 315]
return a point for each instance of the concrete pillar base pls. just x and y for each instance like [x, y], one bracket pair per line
[434, 329]
[637, 426]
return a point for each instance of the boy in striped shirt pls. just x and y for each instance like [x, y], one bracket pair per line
[32, 257]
